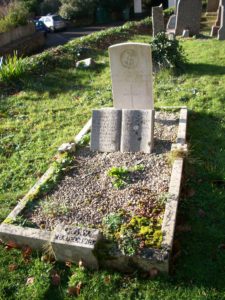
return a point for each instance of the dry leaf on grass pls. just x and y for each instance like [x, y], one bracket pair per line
[30, 280]
[75, 290]
[11, 245]
[55, 278]
[12, 267]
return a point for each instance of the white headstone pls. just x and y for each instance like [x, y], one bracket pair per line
[137, 6]
[137, 130]
[106, 130]
[131, 73]
[221, 31]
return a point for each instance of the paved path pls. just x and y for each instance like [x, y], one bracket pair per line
[62, 37]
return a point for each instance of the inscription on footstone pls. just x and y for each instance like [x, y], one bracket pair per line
[137, 130]
[106, 130]
[131, 73]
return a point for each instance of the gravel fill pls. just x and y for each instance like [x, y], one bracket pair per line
[86, 193]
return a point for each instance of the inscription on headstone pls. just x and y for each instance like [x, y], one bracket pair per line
[157, 19]
[188, 16]
[137, 130]
[106, 130]
[131, 73]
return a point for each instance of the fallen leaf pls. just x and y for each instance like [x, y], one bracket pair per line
[80, 264]
[107, 279]
[75, 290]
[30, 280]
[26, 252]
[12, 267]
[68, 264]
[153, 272]
[11, 245]
[56, 279]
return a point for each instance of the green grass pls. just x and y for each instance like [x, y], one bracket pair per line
[50, 109]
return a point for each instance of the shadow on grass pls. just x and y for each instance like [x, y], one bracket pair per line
[204, 69]
[202, 249]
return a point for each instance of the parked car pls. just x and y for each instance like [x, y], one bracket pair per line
[40, 26]
[53, 22]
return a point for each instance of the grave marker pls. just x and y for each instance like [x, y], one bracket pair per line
[106, 129]
[131, 73]
[137, 130]
[188, 16]
[157, 19]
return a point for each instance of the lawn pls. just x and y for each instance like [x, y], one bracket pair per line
[51, 108]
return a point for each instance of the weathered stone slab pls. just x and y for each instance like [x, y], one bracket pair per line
[137, 130]
[131, 73]
[212, 5]
[157, 19]
[171, 23]
[221, 31]
[137, 6]
[75, 244]
[106, 130]
[188, 16]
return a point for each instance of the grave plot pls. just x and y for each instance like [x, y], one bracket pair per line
[116, 205]
[111, 209]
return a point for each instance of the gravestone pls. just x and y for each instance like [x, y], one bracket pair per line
[188, 16]
[221, 31]
[171, 23]
[216, 26]
[137, 6]
[106, 130]
[131, 74]
[137, 130]
[157, 19]
[212, 5]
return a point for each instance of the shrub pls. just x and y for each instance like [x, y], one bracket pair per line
[72, 9]
[16, 15]
[167, 53]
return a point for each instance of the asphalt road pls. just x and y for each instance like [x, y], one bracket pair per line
[62, 37]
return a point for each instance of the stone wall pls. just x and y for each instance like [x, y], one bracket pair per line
[16, 34]
[25, 46]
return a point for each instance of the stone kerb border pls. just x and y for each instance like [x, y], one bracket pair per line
[83, 247]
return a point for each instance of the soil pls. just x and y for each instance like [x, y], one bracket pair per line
[86, 193]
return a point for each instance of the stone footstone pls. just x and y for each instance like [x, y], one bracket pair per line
[137, 131]
[157, 20]
[188, 16]
[131, 73]
[70, 243]
[106, 130]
